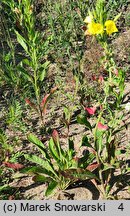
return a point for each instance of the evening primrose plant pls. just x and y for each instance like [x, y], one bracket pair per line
[33, 64]
[58, 167]
[101, 27]
[104, 128]
[98, 24]
[107, 111]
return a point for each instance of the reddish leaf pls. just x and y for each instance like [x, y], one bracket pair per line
[45, 99]
[93, 166]
[53, 89]
[15, 166]
[30, 104]
[100, 126]
[101, 79]
[91, 110]
[44, 102]
[92, 151]
[55, 136]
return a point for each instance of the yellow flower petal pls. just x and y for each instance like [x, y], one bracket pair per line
[95, 28]
[88, 19]
[110, 27]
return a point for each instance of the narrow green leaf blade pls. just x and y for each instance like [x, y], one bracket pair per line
[40, 178]
[53, 150]
[32, 138]
[79, 174]
[45, 164]
[51, 187]
[85, 142]
[22, 41]
[83, 120]
[25, 73]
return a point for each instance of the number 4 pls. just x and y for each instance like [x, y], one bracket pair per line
[121, 207]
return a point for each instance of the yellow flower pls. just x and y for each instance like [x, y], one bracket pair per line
[110, 27]
[95, 28]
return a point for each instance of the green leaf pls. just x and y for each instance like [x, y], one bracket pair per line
[85, 142]
[67, 113]
[42, 70]
[32, 138]
[54, 150]
[107, 167]
[25, 73]
[51, 187]
[118, 152]
[27, 62]
[83, 120]
[42, 74]
[99, 140]
[84, 175]
[71, 144]
[57, 152]
[74, 163]
[35, 170]
[78, 174]
[40, 178]
[87, 159]
[45, 164]
[4, 187]
[71, 150]
[117, 16]
[22, 41]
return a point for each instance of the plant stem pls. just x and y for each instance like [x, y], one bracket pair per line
[97, 153]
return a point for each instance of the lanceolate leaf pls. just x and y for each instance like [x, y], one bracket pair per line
[27, 62]
[51, 187]
[40, 178]
[36, 169]
[15, 166]
[93, 166]
[71, 144]
[86, 159]
[107, 167]
[25, 73]
[85, 175]
[46, 99]
[22, 41]
[4, 187]
[45, 164]
[57, 151]
[78, 174]
[71, 151]
[32, 138]
[42, 70]
[85, 141]
[31, 104]
[83, 120]
[54, 150]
